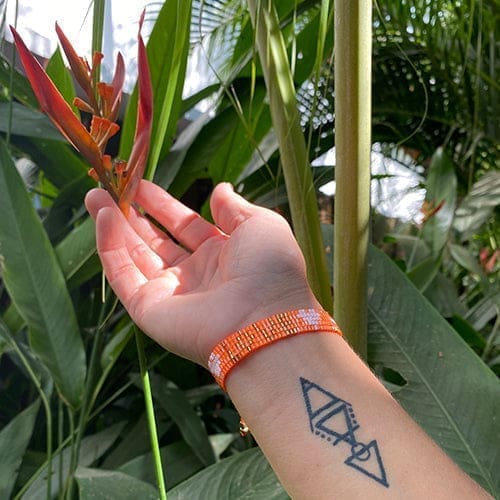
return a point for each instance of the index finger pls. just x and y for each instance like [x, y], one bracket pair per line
[184, 224]
[123, 275]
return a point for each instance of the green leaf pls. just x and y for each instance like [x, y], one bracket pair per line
[441, 188]
[58, 73]
[96, 484]
[78, 261]
[203, 149]
[478, 206]
[91, 449]
[36, 285]
[167, 50]
[466, 259]
[247, 475]
[77, 248]
[27, 122]
[243, 139]
[468, 333]
[170, 165]
[14, 439]
[450, 392]
[60, 163]
[21, 89]
[484, 310]
[178, 460]
[443, 295]
[424, 272]
[175, 404]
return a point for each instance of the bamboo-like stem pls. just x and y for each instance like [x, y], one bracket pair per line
[148, 399]
[292, 145]
[97, 33]
[353, 28]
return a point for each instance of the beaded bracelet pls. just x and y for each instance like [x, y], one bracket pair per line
[237, 346]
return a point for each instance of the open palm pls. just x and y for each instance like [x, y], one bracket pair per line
[193, 284]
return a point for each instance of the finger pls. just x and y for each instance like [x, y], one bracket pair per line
[185, 225]
[171, 253]
[141, 250]
[149, 262]
[229, 209]
[97, 199]
[123, 275]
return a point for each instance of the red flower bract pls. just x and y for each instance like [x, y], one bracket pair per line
[120, 178]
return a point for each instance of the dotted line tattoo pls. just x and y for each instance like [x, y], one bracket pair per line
[333, 419]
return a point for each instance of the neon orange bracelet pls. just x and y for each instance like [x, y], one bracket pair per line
[237, 346]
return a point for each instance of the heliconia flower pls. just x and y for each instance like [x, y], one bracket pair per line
[120, 178]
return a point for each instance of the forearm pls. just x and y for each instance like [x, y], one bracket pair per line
[331, 430]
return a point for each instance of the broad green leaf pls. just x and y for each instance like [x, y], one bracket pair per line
[473, 338]
[484, 310]
[21, 89]
[414, 248]
[78, 261]
[77, 248]
[201, 151]
[67, 207]
[466, 259]
[175, 404]
[59, 162]
[247, 475]
[178, 461]
[220, 442]
[14, 439]
[424, 272]
[169, 166]
[450, 392]
[115, 346]
[441, 189]
[97, 484]
[27, 122]
[37, 287]
[167, 49]
[133, 442]
[191, 101]
[91, 449]
[478, 206]
[442, 294]
[240, 143]
[58, 73]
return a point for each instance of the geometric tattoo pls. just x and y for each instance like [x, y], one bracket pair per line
[333, 419]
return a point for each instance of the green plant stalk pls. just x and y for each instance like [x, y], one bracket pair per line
[292, 146]
[60, 437]
[86, 407]
[150, 413]
[97, 33]
[353, 20]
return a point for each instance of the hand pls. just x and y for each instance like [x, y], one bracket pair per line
[191, 292]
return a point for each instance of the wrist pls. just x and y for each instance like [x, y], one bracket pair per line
[253, 311]
[245, 342]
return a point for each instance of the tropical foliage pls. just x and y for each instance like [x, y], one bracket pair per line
[72, 414]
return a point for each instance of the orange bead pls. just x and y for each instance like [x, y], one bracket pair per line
[237, 346]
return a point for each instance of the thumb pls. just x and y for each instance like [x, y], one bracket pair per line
[229, 209]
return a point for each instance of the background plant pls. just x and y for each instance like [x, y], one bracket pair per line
[435, 103]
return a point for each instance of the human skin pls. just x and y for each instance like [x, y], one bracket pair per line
[196, 283]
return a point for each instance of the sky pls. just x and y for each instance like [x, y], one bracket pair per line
[36, 20]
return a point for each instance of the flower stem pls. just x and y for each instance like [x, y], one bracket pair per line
[148, 400]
